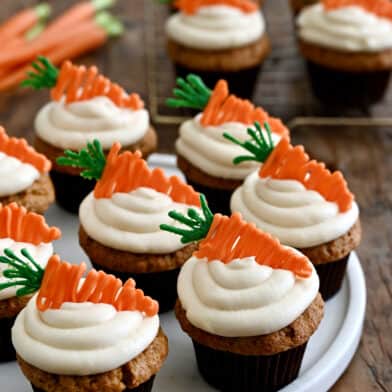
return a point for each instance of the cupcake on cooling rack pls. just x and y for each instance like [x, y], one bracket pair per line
[305, 206]
[219, 39]
[19, 229]
[24, 175]
[85, 334]
[85, 106]
[119, 220]
[203, 154]
[348, 47]
[249, 304]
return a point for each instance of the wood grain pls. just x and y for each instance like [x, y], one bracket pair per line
[363, 154]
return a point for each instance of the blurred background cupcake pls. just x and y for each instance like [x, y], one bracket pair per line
[219, 39]
[348, 48]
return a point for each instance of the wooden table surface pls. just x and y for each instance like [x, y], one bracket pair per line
[364, 153]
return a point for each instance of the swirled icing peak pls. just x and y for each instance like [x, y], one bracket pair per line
[128, 171]
[191, 6]
[292, 163]
[18, 148]
[382, 8]
[22, 226]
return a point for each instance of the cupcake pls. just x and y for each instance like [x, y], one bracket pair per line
[19, 229]
[119, 220]
[24, 175]
[92, 334]
[348, 48]
[203, 154]
[219, 39]
[297, 5]
[305, 206]
[85, 106]
[249, 304]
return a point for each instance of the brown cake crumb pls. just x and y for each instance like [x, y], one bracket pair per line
[10, 307]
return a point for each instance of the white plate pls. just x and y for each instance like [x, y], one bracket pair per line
[328, 353]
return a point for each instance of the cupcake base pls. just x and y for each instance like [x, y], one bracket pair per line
[231, 372]
[7, 351]
[331, 276]
[162, 286]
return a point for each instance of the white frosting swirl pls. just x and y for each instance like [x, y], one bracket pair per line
[242, 298]
[130, 221]
[73, 125]
[348, 28]
[216, 27]
[40, 253]
[15, 175]
[297, 216]
[208, 150]
[81, 338]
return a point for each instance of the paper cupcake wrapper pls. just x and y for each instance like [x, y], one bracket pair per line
[161, 286]
[70, 189]
[145, 387]
[7, 351]
[331, 276]
[231, 372]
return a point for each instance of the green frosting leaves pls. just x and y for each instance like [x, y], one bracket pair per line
[199, 226]
[44, 76]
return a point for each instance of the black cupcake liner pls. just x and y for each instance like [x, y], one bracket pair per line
[350, 89]
[161, 286]
[229, 372]
[145, 387]
[331, 276]
[241, 83]
[70, 190]
[7, 351]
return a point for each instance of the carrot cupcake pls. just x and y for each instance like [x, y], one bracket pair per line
[249, 304]
[219, 39]
[19, 229]
[85, 106]
[305, 206]
[24, 175]
[348, 47]
[119, 220]
[85, 334]
[203, 154]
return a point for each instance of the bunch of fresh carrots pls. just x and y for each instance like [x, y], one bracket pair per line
[82, 28]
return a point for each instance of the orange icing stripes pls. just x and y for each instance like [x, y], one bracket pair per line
[288, 162]
[23, 226]
[233, 238]
[382, 8]
[191, 6]
[62, 283]
[224, 107]
[128, 171]
[18, 148]
[78, 83]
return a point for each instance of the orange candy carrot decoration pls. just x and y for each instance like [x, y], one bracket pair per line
[18, 148]
[288, 162]
[224, 107]
[382, 8]
[233, 238]
[191, 6]
[23, 226]
[128, 171]
[61, 283]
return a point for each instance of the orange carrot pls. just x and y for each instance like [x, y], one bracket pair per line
[191, 6]
[382, 8]
[61, 283]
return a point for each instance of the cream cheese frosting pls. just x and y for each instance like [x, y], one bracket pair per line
[349, 28]
[216, 27]
[130, 221]
[71, 126]
[15, 175]
[208, 150]
[242, 298]
[297, 216]
[40, 253]
[81, 338]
